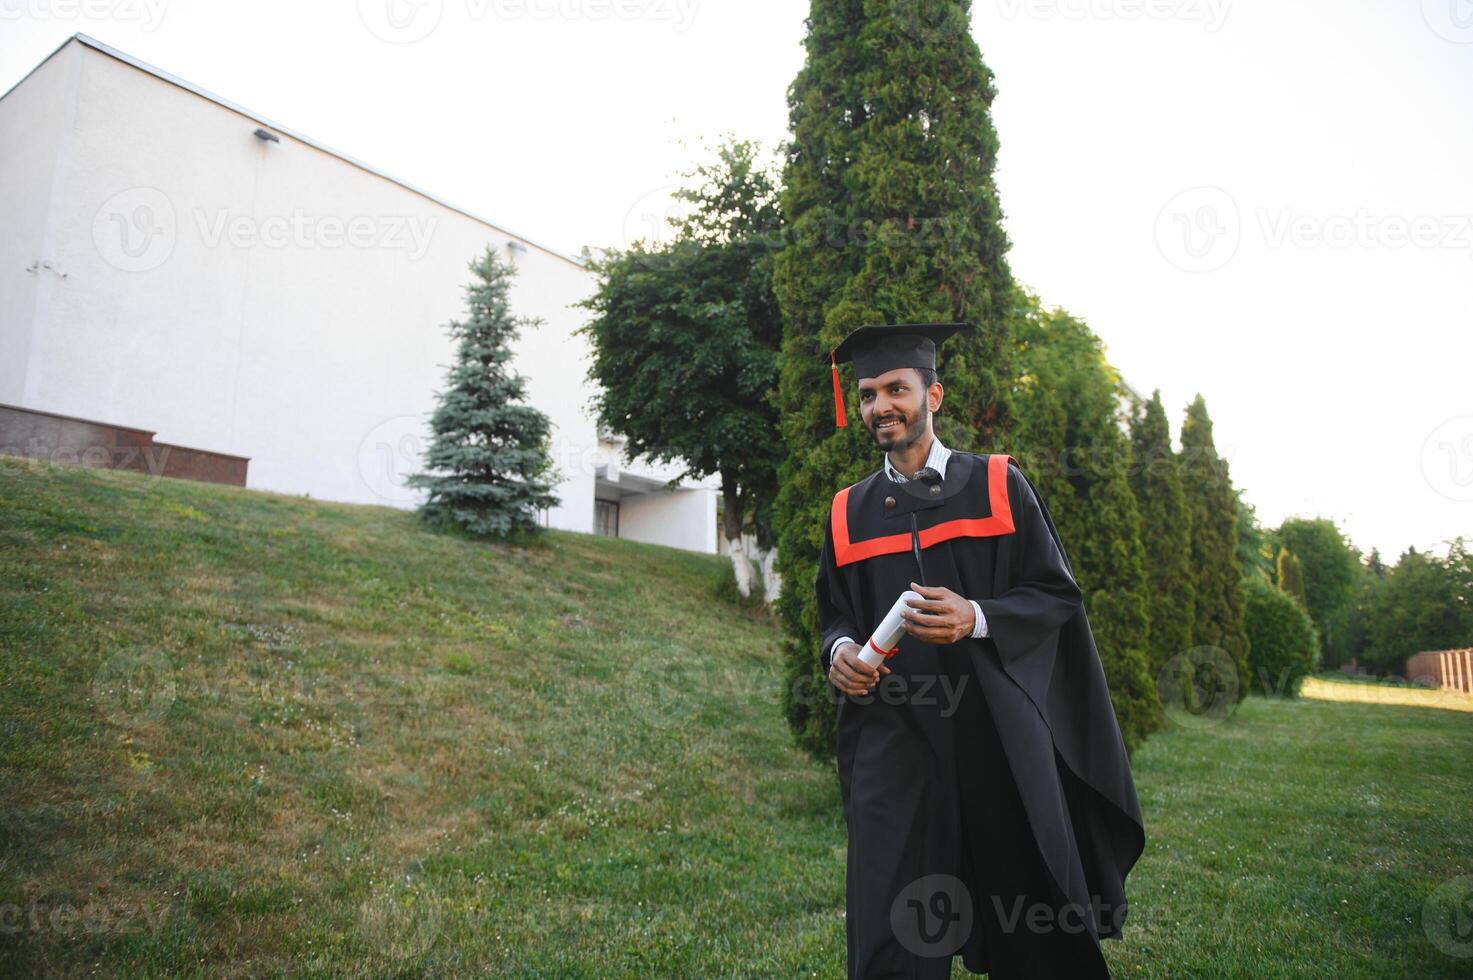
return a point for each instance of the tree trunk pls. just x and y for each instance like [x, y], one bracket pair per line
[772, 582]
[731, 527]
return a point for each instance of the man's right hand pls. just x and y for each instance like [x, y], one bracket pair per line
[850, 674]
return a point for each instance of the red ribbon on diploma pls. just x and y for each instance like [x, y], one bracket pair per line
[883, 653]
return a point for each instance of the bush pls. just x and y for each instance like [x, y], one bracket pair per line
[1283, 644]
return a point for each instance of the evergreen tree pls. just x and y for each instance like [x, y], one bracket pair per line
[1257, 548]
[1281, 638]
[1080, 456]
[1375, 565]
[1166, 532]
[892, 216]
[488, 469]
[1289, 575]
[1218, 621]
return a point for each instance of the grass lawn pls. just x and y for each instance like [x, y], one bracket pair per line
[1383, 690]
[247, 734]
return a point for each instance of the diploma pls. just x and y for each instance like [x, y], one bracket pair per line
[886, 638]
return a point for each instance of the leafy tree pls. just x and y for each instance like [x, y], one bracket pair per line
[1281, 637]
[1331, 565]
[1218, 620]
[1422, 605]
[892, 216]
[488, 468]
[685, 339]
[1166, 533]
[1351, 623]
[1459, 563]
[1080, 457]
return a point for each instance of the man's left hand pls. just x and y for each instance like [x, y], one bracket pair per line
[941, 617]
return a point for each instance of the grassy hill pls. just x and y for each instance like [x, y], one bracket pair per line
[247, 734]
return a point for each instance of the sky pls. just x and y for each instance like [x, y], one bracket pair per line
[1267, 202]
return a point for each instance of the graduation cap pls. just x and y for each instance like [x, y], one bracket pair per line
[887, 347]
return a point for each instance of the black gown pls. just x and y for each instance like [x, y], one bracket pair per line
[989, 800]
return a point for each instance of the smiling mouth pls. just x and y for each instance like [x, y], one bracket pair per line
[890, 425]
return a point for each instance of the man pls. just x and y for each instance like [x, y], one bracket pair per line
[989, 800]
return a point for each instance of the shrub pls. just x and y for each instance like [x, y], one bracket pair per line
[1283, 644]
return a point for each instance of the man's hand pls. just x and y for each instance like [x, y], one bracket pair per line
[941, 617]
[850, 674]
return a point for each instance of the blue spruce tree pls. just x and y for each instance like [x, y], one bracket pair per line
[488, 468]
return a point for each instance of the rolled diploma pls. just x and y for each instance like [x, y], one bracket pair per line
[888, 633]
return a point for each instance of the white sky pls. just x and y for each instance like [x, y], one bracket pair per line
[1319, 153]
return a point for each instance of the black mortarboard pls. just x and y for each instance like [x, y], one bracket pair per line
[877, 349]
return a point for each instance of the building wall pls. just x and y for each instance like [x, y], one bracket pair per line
[35, 121]
[679, 518]
[212, 292]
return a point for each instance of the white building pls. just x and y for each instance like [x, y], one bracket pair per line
[173, 262]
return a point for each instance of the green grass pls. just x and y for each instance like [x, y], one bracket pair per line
[248, 734]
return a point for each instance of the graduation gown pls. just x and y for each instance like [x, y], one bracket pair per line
[985, 782]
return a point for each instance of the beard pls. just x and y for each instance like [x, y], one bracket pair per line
[903, 435]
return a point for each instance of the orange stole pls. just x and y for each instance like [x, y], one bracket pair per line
[999, 521]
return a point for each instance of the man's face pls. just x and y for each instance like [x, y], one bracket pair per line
[895, 408]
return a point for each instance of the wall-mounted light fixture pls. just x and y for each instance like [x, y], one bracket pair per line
[267, 137]
[515, 248]
[35, 267]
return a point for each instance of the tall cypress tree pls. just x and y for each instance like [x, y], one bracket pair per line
[892, 216]
[1166, 532]
[488, 466]
[1218, 575]
[1068, 434]
[1290, 575]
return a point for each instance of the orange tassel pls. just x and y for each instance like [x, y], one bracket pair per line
[839, 421]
